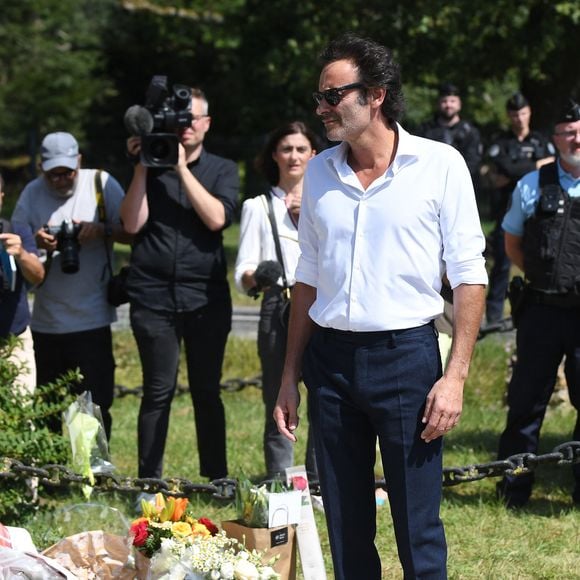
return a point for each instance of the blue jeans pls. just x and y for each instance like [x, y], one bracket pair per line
[363, 386]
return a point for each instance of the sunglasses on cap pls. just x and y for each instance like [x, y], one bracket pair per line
[335, 95]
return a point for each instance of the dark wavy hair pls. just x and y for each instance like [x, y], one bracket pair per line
[266, 164]
[376, 67]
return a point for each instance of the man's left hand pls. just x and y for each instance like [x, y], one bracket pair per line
[91, 231]
[443, 408]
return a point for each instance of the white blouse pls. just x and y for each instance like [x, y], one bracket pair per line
[257, 241]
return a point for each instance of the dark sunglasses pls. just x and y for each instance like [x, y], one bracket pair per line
[56, 175]
[335, 95]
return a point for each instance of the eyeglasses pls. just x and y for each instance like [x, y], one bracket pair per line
[196, 118]
[335, 95]
[56, 175]
[568, 135]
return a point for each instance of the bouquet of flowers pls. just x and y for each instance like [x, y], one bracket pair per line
[181, 546]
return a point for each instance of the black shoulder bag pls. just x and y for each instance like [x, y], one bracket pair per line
[286, 295]
[117, 285]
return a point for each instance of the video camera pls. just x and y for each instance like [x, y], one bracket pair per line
[159, 120]
[67, 244]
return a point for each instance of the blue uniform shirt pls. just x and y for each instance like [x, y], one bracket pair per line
[526, 195]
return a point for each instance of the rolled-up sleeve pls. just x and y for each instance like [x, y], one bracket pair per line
[463, 240]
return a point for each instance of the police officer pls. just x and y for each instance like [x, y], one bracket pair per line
[448, 127]
[514, 153]
[542, 236]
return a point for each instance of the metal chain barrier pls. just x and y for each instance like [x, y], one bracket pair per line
[230, 385]
[224, 489]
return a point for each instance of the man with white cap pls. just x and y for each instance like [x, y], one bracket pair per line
[75, 214]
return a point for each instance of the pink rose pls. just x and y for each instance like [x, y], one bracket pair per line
[299, 482]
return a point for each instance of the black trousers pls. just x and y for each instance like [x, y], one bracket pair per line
[545, 335]
[159, 335]
[272, 335]
[498, 277]
[92, 352]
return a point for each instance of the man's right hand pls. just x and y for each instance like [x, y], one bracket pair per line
[134, 148]
[45, 241]
[286, 410]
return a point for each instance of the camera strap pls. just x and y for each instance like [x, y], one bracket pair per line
[102, 215]
[272, 218]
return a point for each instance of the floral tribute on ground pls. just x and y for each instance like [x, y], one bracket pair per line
[183, 546]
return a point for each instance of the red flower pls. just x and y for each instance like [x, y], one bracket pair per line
[139, 532]
[299, 482]
[211, 527]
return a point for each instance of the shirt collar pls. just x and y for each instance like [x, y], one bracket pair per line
[566, 179]
[408, 151]
[278, 192]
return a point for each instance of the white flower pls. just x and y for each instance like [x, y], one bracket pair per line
[227, 571]
[245, 570]
[267, 572]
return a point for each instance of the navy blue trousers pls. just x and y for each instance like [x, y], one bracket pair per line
[545, 335]
[367, 385]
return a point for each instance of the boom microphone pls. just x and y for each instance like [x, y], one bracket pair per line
[267, 273]
[138, 120]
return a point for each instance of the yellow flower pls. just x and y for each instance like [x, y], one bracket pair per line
[198, 529]
[181, 530]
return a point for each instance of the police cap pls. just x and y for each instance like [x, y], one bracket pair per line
[448, 90]
[516, 102]
[569, 113]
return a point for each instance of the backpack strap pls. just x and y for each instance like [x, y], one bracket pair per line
[102, 211]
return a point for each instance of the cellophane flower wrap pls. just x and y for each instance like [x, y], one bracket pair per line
[252, 502]
[182, 546]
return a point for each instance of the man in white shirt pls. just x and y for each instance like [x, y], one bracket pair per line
[384, 216]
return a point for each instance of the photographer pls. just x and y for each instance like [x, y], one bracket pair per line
[178, 288]
[71, 317]
[20, 265]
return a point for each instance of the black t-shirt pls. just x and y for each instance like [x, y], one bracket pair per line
[177, 263]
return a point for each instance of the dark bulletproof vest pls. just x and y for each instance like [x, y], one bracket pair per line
[551, 241]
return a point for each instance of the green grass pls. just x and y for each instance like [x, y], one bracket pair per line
[485, 540]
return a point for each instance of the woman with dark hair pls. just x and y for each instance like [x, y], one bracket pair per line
[266, 262]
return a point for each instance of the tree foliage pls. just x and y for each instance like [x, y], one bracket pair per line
[77, 65]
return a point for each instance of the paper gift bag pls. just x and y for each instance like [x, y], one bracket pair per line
[280, 541]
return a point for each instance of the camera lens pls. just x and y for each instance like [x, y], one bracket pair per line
[159, 149]
[69, 257]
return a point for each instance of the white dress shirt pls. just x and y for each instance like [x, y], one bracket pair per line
[257, 241]
[376, 256]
